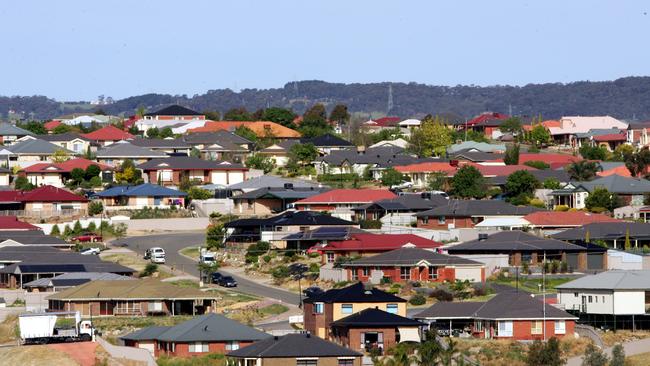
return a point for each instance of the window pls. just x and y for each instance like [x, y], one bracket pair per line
[250, 204]
[346, 361]
[346, 308]
[536, 327]
[365, 271]
[425, 220]
[560, 327]
[405, 273]
[505, 328]
[603, 299]
[198, 347]
[442, 219]
[155, 306]
[303, 362]
[391, 308]
[330, 257]
[318, 308]
[478, 326]
[355, 274]
[232, 345]
[590, 299]
[433, 273]
[575, 294]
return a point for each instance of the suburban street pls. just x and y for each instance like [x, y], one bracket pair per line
[172, 243]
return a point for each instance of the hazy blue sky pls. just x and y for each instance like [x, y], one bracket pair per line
[73, 50]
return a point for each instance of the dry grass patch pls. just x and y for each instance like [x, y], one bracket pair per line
[9, 329]
[35, 356]
[642, 359]
[133, 261]
[621, 336]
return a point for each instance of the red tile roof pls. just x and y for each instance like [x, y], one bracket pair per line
[383, 242]
[384, 122]
[555, 160]
[12, 223]
[108, 133]
[486, 117]
[349, 196]
[622, 170]
[50, 194]
[567, 218]
[51, 125]
[427, 167]
[261, 128]
[66, 166]
[611, 137]
[499, 170]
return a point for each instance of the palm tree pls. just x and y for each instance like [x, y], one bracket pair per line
[584, 170]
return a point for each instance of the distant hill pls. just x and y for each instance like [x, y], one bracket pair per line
[625, 98]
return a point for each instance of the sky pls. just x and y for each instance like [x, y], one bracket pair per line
[77, 50]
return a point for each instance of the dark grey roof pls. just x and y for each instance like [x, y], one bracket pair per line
[292, 218]
[201, 138]
[407, 202]
[411, 257]
[561, 175]
[31, 237]
[11, 130]
[326, 140]
[122, 149]
[357, 292]
[293, 345]
[281, 193]
[36, 146]
[618, 184]
[75, 278]
[174, 110]
[325, 233]
[28, 266]
[468, 208]
[68, 136]
[378, 155]
[375, 318]
[272, 181]
[187, 162]
[211, 328]
[145, 334]
[606, 231]
[505, 305]
[160, 143]
[507, 241]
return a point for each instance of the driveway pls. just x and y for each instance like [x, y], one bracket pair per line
[172, 243]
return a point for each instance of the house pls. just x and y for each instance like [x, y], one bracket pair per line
[551, 222]
[320, 236]
[483, 117]
[620, 298]
[420, 173]
[340, 202]
[279, 152]
[272, 181]
[69, 141]
[174, 169]
[11, 223]
[275, 229]
[30, 151]
[366, 244]
[57, 174]
[208, 333]
[143, 195]
[460, 214]
[19, 234]
[508, 315]
[132, 298]
[478, 157]
[173, 112]
[9, 133]
[381, 123]
[411, 263]
[360, 159]
[169, 146]
[327, 143]
[295, 349]
[220, 145]
[51, 125]
[555, 160]
[613, 167]
[375, 329]
[609, 138]
[116, 153]
[260, 128]
[84, 119]
[269, 200]
[321, 311]
[5, 174]
[399, 210]
[572, 125]
[44, 201]
[630, 191]
[107, 135]
[71, 279]
[638, 134]
[407, 125]
[612, 234]
[523, 247]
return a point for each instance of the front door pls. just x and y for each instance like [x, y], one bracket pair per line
[584, 304]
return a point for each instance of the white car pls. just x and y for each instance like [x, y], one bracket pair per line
[90, 251]
[158, 259]
[403, 185]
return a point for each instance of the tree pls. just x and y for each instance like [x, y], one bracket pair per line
[259, 161]
[438, 181]
[512, 125]
[92, 171]
[60, 156]
[583, 170]
[22, 184]
[314, 122]
[247, 133]
[303, 153]
[214, 236]
[551, 183]
[511, 156]
[237, 114]
[166, 132]
[618, 356]
[594, 356]
[468, 182]
[432, 138]
[279, 115]
[545, 354]
[127, 173]
[340, 114]
[391, 177]
[55, 230]
[539, 135]
[153, 133]
[95, 208]
[521, 183]
[537, 164]
[622, 151]
[34, 127]
[77, 229]
[637, 163]
[77, 175]
[601, 199]
[196, 193]
[593, 152]
[212, 115]
[140, 111]
[62, 128]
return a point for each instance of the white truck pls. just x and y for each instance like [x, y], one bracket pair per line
[207, 257]
[65, 326]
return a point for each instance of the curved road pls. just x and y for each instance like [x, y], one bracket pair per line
[172, 243]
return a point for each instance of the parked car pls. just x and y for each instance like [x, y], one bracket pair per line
[158, 258]
[227, 281]
[90, 251]
[297, 268]
[403, 185]
[151, 251]
[312, 291]
[215, 276]
[317, 249]
[87, 238]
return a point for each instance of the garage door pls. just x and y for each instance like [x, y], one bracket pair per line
[470, 274]
[142, 201]
[147, 345]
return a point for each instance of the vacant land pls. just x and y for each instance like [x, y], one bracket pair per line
[133, 261]
[533, 285]
[9, 329]
[35, 356]
[642, 359]
[192, 252]
[621, 336]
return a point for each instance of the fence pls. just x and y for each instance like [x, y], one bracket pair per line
[329, 273]
[45, 213]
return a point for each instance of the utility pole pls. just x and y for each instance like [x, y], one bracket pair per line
[544, 295]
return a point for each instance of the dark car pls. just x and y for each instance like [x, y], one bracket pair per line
[297, 269]
[227, 281]
[313, 291]
[215, 276]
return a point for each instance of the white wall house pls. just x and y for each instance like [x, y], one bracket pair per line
[618, 292]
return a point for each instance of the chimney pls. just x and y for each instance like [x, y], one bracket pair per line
[361, 150]
[288, 186]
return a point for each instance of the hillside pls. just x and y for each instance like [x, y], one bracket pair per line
[626, 98]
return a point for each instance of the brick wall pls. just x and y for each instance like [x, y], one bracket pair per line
[416, 274]
[434, 224]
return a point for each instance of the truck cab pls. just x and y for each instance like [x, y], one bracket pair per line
[64, 326]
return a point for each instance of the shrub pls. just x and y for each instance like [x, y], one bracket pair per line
[482, 289]
[536, 202]
[91, 227]
[416, 284]
[196, 193]
[77, 227]
[561, 208]
[150, 269]
[67, 231]
[370, 224]
[266, 258]
[95, 182]
[95, 208]
[564, 267]
[280, 273]
[418, 299]
[537, 164]
[314, 267]
[385, 280]
[525, 267]
[55, 230]
[441, 294]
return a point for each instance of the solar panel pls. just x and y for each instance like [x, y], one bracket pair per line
[51, 268]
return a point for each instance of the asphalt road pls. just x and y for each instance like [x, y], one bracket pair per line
[172, 243]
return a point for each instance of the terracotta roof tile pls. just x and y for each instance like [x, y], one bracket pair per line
[259, 127]
[577, 218]
[349, 196]
[108, 133]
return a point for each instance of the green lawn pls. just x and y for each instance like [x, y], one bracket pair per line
[192, 252]
[274, 309]
[532, 284]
